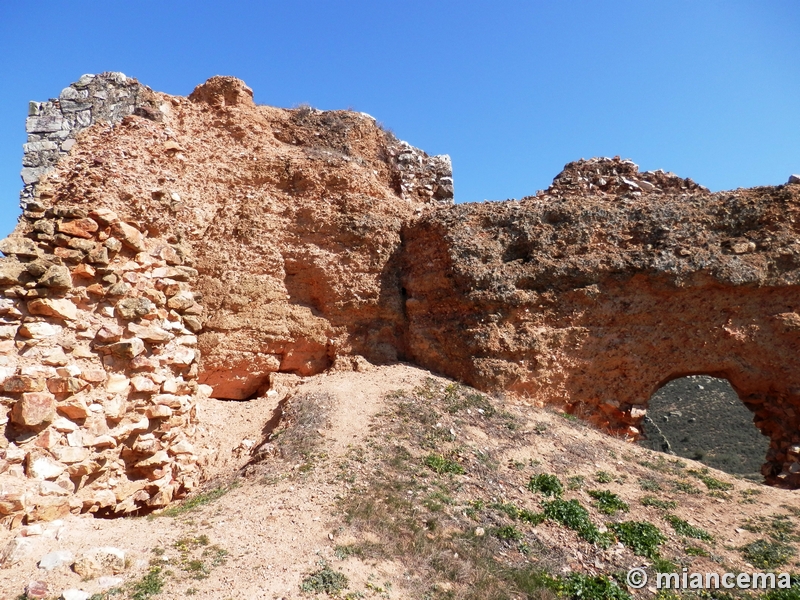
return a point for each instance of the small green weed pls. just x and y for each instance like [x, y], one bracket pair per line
[549, 485]
[150, 585]
[608, 502]
[694, 551]
[325, 580]
[766, 554]
[441, 465]
[683, 528]
[640, 536]
[656, 503]
[576, 482]
[343, 552]
[603, 477]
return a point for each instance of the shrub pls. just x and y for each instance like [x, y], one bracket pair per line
[325, 580]
[549, 485]
[586, 587]
[649, 484]
[603, 477]
[576, 482]
[508, 533]
[571, 514]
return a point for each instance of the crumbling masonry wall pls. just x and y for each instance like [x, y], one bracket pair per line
[594, 293]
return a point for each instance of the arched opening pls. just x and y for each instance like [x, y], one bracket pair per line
[702, 418]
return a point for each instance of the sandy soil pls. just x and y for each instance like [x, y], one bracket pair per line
[280, 520]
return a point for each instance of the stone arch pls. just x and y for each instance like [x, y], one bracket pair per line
[702, 417]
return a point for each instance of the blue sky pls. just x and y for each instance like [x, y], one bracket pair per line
[511, 90]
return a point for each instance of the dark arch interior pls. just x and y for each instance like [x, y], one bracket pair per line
[702, 418]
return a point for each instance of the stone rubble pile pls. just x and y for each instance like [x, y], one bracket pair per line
[98, 367]
[614, 176]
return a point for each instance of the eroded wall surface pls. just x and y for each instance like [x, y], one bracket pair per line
[594, 293]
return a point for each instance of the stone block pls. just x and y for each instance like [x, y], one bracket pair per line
[24, 383]
[49, 307]
[68, 455]
[81, 228]
[38, 330]
[44, 124]
[133, 308]
[18, 246]
[66, 385]
[42, 467]
[127, 348]
[34, 409]
[57, 277]
[74, 408]
[128, 235]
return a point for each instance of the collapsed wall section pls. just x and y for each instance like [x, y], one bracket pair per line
[593, 294]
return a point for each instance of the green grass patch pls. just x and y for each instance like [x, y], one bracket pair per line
[711, 482]
[686, 487]
[767, 554]
[648, 484]
[683, 528]
[519, 514]
[780, 528]
[656, 503]
[441, 465]
[793, 593]
[546, 484]
[608, 502]
[570, 513]
[199, 500]
[641, 537]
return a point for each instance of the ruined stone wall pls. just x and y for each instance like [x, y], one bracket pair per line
[53, 126]
[595, 293]
[136, 205]
[98, 368]
[98, 359]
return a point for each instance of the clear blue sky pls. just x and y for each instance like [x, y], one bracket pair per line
[511, 90]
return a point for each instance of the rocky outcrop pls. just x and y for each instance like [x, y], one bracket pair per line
[595, 293]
